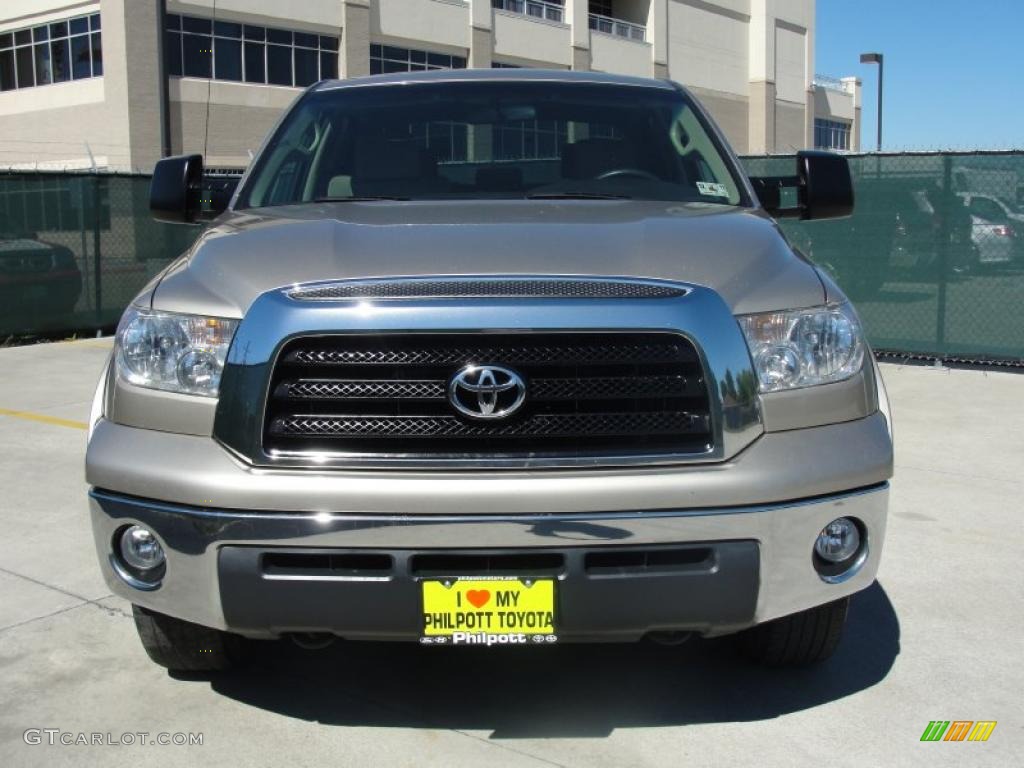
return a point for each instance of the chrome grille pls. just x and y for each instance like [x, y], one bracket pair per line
[588, 395]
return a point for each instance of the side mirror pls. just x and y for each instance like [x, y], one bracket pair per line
[823, 186]
[175, 193]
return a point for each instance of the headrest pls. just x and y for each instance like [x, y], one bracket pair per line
[340, 186]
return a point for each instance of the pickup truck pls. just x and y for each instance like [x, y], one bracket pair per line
[491, 358]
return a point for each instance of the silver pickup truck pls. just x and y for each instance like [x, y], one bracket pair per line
[491, 358]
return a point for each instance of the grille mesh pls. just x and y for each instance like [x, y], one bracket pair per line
[316, 389]
[548, 425]
[488, 288]
[516, 353]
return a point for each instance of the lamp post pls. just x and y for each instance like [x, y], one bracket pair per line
[876, 58]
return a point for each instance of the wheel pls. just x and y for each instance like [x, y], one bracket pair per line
[798, 640]
[181, 646]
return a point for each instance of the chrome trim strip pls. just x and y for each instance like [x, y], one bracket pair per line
[131, 581]
[274, 319]
[853, 570]
[322, 519]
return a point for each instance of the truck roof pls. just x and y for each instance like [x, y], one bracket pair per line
[521, 75]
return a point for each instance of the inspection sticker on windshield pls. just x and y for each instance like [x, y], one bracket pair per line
[712, 189]
[488, 611]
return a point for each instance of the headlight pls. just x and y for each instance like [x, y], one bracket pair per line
[176, 353]
[804, 347]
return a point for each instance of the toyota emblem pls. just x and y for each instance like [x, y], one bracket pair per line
[486, 392]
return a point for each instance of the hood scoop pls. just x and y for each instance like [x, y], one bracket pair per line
[488, 287]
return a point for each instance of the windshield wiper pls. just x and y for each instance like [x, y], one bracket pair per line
[572, 195]
[358, 199]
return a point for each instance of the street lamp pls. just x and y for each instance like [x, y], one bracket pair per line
[876, 58]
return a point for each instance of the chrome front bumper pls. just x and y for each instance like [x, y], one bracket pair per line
[196, 539]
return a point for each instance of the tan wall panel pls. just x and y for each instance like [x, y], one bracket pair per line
[529, 38]
[791, 70]
[43, 137]
[441, 22]
[761, 123]
[624, 57]
[790, 125]
[27, 13]
[731, 114]
[290, 14]
[143, 71]
[707, 48]
[234, 130]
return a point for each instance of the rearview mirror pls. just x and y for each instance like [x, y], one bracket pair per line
[823, 186]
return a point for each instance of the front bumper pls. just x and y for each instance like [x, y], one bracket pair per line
[738, 566]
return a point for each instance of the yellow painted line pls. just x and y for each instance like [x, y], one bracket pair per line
[28, 416]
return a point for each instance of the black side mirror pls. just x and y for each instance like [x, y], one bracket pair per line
[824, 189]
[175, 194]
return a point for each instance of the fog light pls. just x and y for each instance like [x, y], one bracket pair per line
[838, 541]
[140, 549]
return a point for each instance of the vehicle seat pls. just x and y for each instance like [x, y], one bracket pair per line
[398, 168]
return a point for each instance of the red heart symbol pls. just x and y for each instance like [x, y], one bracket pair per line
[478, 597]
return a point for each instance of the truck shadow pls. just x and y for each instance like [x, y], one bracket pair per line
[563, 691]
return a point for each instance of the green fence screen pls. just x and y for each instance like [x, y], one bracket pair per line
[933, 256]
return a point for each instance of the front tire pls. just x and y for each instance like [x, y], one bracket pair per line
[181, 646]
[798, 640]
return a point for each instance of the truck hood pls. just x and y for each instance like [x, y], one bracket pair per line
[739, 253]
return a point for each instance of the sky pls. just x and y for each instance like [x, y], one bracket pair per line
[953, 69]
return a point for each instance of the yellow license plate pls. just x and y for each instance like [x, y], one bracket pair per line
[489, 611]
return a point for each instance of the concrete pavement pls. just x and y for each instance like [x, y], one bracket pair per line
[940, 636]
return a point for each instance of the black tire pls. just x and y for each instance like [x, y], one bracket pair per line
[804, 638]
[181, 646]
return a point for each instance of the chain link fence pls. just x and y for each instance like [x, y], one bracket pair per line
[75, 249]
[933, 256]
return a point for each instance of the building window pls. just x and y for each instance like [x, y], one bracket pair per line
[551, 10]
[503, 65]
[831, 134]
[242, 53]
[529, 140]
[387, 58]
[51, 53]
[448, 142]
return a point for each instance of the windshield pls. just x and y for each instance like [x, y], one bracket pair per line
[492, 139]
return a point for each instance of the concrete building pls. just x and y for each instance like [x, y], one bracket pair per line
[117, 83]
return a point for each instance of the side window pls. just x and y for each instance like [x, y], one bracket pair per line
[989, 210]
